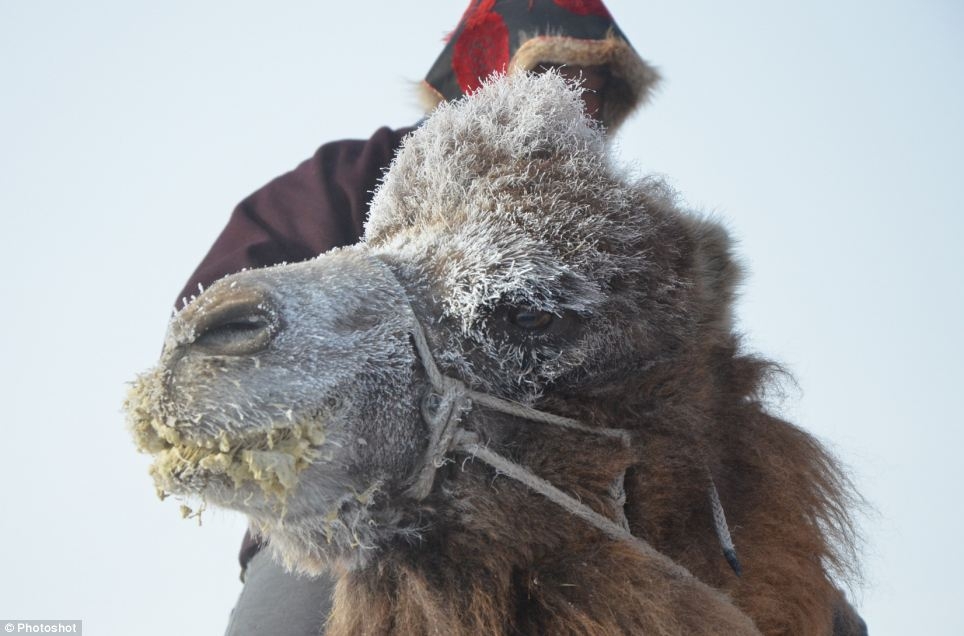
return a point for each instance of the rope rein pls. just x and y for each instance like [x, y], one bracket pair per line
[722, 529]
[455, 398]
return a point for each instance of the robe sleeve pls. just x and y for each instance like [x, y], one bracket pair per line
[321, 204]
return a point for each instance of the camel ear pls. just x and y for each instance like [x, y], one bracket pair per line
[717, 273]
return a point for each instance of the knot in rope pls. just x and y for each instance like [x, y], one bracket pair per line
[442, 409]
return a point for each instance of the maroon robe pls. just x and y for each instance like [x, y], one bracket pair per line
[321, 204]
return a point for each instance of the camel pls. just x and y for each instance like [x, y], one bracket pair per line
[518, 406]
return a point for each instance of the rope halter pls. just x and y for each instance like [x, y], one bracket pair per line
[450, 399]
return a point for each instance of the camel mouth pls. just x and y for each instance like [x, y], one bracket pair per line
[272, 460]
[190, 461]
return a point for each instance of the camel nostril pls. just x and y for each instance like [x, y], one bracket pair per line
[235, 326]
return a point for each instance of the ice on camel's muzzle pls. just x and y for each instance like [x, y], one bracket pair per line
[266, 373]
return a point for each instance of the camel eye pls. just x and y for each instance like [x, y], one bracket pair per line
[532, 320]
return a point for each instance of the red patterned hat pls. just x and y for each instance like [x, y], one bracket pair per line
[506, 36]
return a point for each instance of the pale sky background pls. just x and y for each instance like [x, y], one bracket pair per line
[827, 134]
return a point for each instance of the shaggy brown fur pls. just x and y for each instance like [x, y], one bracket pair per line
[525, 567]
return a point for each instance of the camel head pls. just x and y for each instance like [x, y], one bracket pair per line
[538, 271]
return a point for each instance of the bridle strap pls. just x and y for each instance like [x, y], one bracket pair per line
[455, 399]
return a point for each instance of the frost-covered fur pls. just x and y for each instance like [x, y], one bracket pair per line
[542, 274]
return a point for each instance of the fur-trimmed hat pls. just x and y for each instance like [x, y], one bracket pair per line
[497, 36]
